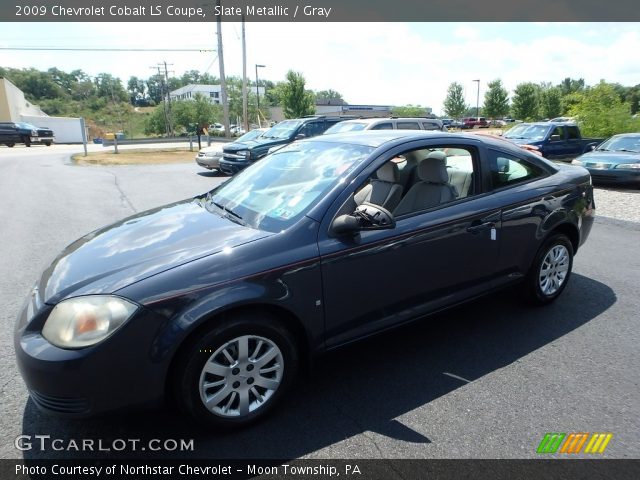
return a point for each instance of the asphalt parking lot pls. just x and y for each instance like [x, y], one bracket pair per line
[486, 380]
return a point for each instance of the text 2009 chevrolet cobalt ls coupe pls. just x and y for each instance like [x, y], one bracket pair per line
[218, 300]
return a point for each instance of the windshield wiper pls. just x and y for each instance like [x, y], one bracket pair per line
[603, 150]
[230, 213]
[627, 150]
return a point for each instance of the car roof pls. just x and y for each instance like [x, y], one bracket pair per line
[376, 138]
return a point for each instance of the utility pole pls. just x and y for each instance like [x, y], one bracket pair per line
[169, 114]
[223, 81]
[478, 100]
[258, 93]
[245, 108]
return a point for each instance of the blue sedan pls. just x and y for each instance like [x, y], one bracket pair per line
[617, 160]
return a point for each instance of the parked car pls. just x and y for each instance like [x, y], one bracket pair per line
[561, 141]
[240, 154]
[22, 132]
[218, 301]
[209, 157]
[475, 122]
[617, 160]
[387, 123]
[216, 129]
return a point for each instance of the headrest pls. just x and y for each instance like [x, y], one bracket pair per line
[433, 168]
[388, 173]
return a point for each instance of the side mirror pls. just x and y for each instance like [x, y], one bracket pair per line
[592, 147]
[555, 138]
[366, 217]
[300, 136]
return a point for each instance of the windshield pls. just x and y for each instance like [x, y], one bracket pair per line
[252, 135]
[528, 132]
[283, 129]
[275, 192]
[346, 127]
[622, 144]
[26, 125]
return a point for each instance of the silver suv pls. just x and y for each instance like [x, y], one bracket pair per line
[387, 123]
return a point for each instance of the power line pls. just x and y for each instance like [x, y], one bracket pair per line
[89, 49]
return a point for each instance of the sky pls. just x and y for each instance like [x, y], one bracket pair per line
[368, 63]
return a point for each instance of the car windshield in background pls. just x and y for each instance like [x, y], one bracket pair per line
[282, 129]
[252, 135]
[528, 132]
[26, 125]
[346, 127]
[274, 192]
[622, 144]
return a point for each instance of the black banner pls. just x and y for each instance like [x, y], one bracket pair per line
[568, 469]
[317, 10]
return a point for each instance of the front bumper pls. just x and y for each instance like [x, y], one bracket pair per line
[118, 373]
[231, 167]
[614, 175]
[208, 162]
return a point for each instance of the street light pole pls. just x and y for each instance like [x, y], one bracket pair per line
[258, 92]
[478, 100]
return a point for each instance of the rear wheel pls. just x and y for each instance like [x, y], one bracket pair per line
[10, 145]
[236, 372]
[550, 271]
[48, 144]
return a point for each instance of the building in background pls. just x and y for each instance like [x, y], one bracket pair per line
[212, 92]
[14, 107]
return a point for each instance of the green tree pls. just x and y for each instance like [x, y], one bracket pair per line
[454, 104]
[409, 111]
[330, 95]
[550, 101]
[525, 104]
[570, 85]
[496, 100]
[602, 113]
[136, 89]
[295, 100]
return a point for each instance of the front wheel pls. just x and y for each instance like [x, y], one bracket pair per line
[10, 145]
[237, 372]
[550, 271]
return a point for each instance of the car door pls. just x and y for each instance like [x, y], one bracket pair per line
[558, 145]
[432, 258]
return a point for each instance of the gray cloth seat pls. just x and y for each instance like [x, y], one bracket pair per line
[432, 190]
[384, 190]
[461, 180]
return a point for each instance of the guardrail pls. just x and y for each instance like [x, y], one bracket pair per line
[143, 141]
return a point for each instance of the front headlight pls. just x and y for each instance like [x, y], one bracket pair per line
[212, 154]
[576, 162]
[628, 165]
[244, 153]
[83, 321]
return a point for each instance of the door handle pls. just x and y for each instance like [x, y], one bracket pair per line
[479, 227]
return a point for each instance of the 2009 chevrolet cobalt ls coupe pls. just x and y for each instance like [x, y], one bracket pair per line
[218, 300]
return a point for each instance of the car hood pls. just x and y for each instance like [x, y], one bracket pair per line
[211, 149]
[249, 144]
[141, 246]
[524, 141]
[613, 158]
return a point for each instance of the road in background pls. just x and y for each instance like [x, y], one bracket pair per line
[486, 380]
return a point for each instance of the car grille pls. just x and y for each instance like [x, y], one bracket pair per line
[59, 404]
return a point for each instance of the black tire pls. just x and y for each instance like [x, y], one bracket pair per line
[189, 367]
[48, 144]
[10, 145]
[532, 288]
[27, 141]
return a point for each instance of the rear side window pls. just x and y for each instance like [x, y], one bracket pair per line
[430, 126]
[573, 133]
[408, 126]
[509, 170]
[383, 126]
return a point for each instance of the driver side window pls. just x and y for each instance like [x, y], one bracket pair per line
[420, 179]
